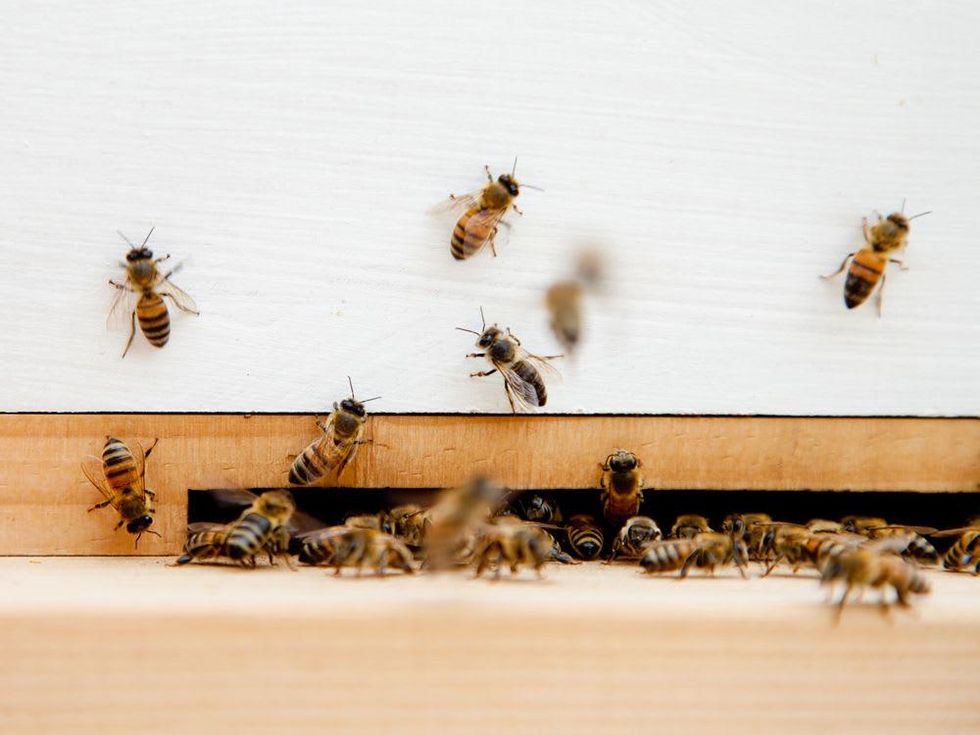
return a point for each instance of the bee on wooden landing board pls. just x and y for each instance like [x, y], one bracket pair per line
[522, 371]
[120, 475]
[484, 211]
[337, 445]
[886, 238]
[635, 534]
[358, 547]
[585, 536]
[704, 551]
[512, 544]
[869, 566]
[622, 487]
[148, 286]
[262, 527]
[964, 554]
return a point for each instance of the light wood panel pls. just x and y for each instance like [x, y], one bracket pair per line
[96, 645]
[43, 494]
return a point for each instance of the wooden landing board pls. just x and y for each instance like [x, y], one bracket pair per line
[43, 493]
[592, 648]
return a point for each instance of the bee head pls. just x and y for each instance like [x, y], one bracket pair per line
[138, 525]
[509, 183]
[141, 253]
[622, 461]
[352, 406]
[899, 220]
[489, 336]
[639, 533]
[277, 504]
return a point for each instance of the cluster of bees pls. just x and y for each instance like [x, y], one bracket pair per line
[143, 296]
[480, 526]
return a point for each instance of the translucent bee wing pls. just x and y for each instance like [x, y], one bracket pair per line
[457, 202]
[120, 316]
[921, 530]
[202, 526]
[954, 531]
[92, 467]
[543, 364]
[181, 298]
[525, 393]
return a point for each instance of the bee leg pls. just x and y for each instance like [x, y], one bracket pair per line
[162, 258]
[839, 270]
[688, 563]
[901, 263]
[99, 506]
[517, 209]
[866, 228]
[492, 242]
[119, 525]
[132, 332]
[477, 354]
[842, 602]
[881, 294]
[772, 566]
[489, 175]
[483, 374]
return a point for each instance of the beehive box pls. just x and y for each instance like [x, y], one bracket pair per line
[721, 156]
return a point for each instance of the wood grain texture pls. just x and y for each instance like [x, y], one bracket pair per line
[724, 152]
[588, 649]
[43, 493]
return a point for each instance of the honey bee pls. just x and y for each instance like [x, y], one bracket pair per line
[145, 281]
[667, 555]
[347, 546]
[965, 551]
[878, 528]
[455, 520]
[689, 526]
[564, 303]
[799, 546]
[409, 523]
[522, 371]
[540, 508]
[750, 528]
[338, 444]
[261, 527]
[635, 534]
[584, 536]
[120, 476]
[477, 226]
[886, 238]
[622, 487]
[512, 544]
[867, 567]
[704, 551]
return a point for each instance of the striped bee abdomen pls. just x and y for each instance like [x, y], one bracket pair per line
[471, 233]
[154, 318]
[530, 375]
[247, 537]
[586, 541]
[311, 464]
[118, 464]
[863, 275]
[666, 556]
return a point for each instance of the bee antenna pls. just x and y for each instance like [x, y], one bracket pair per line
[903, 205]
[528, 186]
[128, 241]
[483, 318]
[368, 400]
[922, 214]
[514, 169]
[147, 238]
[464, 329]
[351, 384]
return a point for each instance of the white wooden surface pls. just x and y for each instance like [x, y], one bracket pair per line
[725, 152]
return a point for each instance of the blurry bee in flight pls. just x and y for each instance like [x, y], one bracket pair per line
[522, 371]
[965, 551]
[144, 280]
[867, 567]
[584, 536]
[564, 303]
[261, 527]
[622, 487]
[886, 238]
[120, 476]
[455, 520]
[541, 508]
[337, 446]
[635, 534]
[689, 526]
[512, 544]
[477, 226]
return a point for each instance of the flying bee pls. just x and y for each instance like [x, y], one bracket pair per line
[120, 476]
[689, 526]
[584, 536]
[261, 527]
[541, 508]
[523, 372]
[337, 445]
[455, 520]
[635, 534]
[965, 551]
[149, 286]
[564, 303]
[622, 487]
[512, 544]
[484, 209]
[886, 238]
[867, 567]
